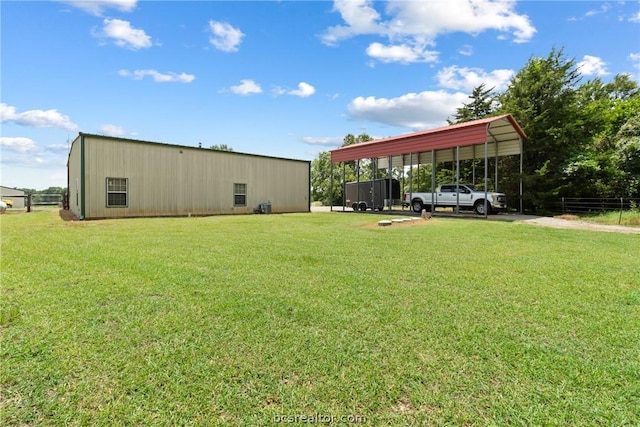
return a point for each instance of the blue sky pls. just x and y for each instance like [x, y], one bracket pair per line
[281, 78]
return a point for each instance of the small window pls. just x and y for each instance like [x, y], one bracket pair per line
[239, 194]
[117, 192]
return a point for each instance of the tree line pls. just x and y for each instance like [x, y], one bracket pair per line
[49, 190]
[583, 138]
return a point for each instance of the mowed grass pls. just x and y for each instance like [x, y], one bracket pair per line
[629, 218]
[246, 320]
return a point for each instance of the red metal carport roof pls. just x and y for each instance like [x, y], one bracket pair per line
[497, 129]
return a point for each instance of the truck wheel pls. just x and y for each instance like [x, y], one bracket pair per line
[354, 206]
[416, 205]
[363, 206]
[479, 207]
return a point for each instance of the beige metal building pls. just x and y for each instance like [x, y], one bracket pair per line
[13, 194]
[112, 177]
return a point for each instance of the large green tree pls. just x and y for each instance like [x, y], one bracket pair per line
[483, 104]
[321, 176]
[542, 98]
[627, 155]
[606, 109]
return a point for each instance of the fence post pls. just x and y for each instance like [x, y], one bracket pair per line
[621, 208]
[563, 211]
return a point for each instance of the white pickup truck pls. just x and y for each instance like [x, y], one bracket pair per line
[463, 195]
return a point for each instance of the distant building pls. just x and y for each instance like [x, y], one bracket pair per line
[13, 194]
[112, 177]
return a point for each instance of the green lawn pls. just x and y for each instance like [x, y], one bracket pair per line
[251, 320]
[629, 218]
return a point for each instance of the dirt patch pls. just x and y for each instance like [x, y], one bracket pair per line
[67, 215]
[568, 217]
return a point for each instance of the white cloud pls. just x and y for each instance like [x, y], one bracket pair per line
[402, 53]
[635, 18]
[592, 66]
[605, 7]
[18, 144]
[430, 19]
[304, 90]
[36, 118]
[415, 24]
[157, 76]
[464, 78]
[61, 148]
[224, 36]
[417, 111]
[124, 35]
[334, 141]
[466, 50]
[360, 17]
[246, 87]
[97, 7]
[113, 130]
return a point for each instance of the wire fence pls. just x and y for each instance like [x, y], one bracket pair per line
[46, 199]
[587, 205]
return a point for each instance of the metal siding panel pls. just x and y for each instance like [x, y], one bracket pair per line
[509, 148]
[17, 196]
[169, 180]
[503, 128]
[414, 144]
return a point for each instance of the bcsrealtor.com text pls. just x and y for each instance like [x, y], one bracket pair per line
[318, 418]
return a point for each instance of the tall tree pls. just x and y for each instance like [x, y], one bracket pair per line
[483, 104]
[627, 155]
[322, 180]
[321, 176]
[606, 108]
[542, 98]
[221, 147]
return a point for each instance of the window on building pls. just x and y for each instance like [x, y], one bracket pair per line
[239, 194]
[117, 192]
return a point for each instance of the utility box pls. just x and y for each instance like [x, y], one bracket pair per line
[374, 194]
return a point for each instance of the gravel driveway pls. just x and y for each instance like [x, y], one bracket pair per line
[543, 221]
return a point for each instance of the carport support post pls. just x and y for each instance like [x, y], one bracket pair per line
[390, 194]
[331, 187]
[486, 174]
[457, 179]
[374, 174]
[357, 201]
[521, 201]
[410, 179]
[344, 186]
[433, 181]
[495, 144]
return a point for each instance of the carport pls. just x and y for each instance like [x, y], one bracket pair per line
[491, 137]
